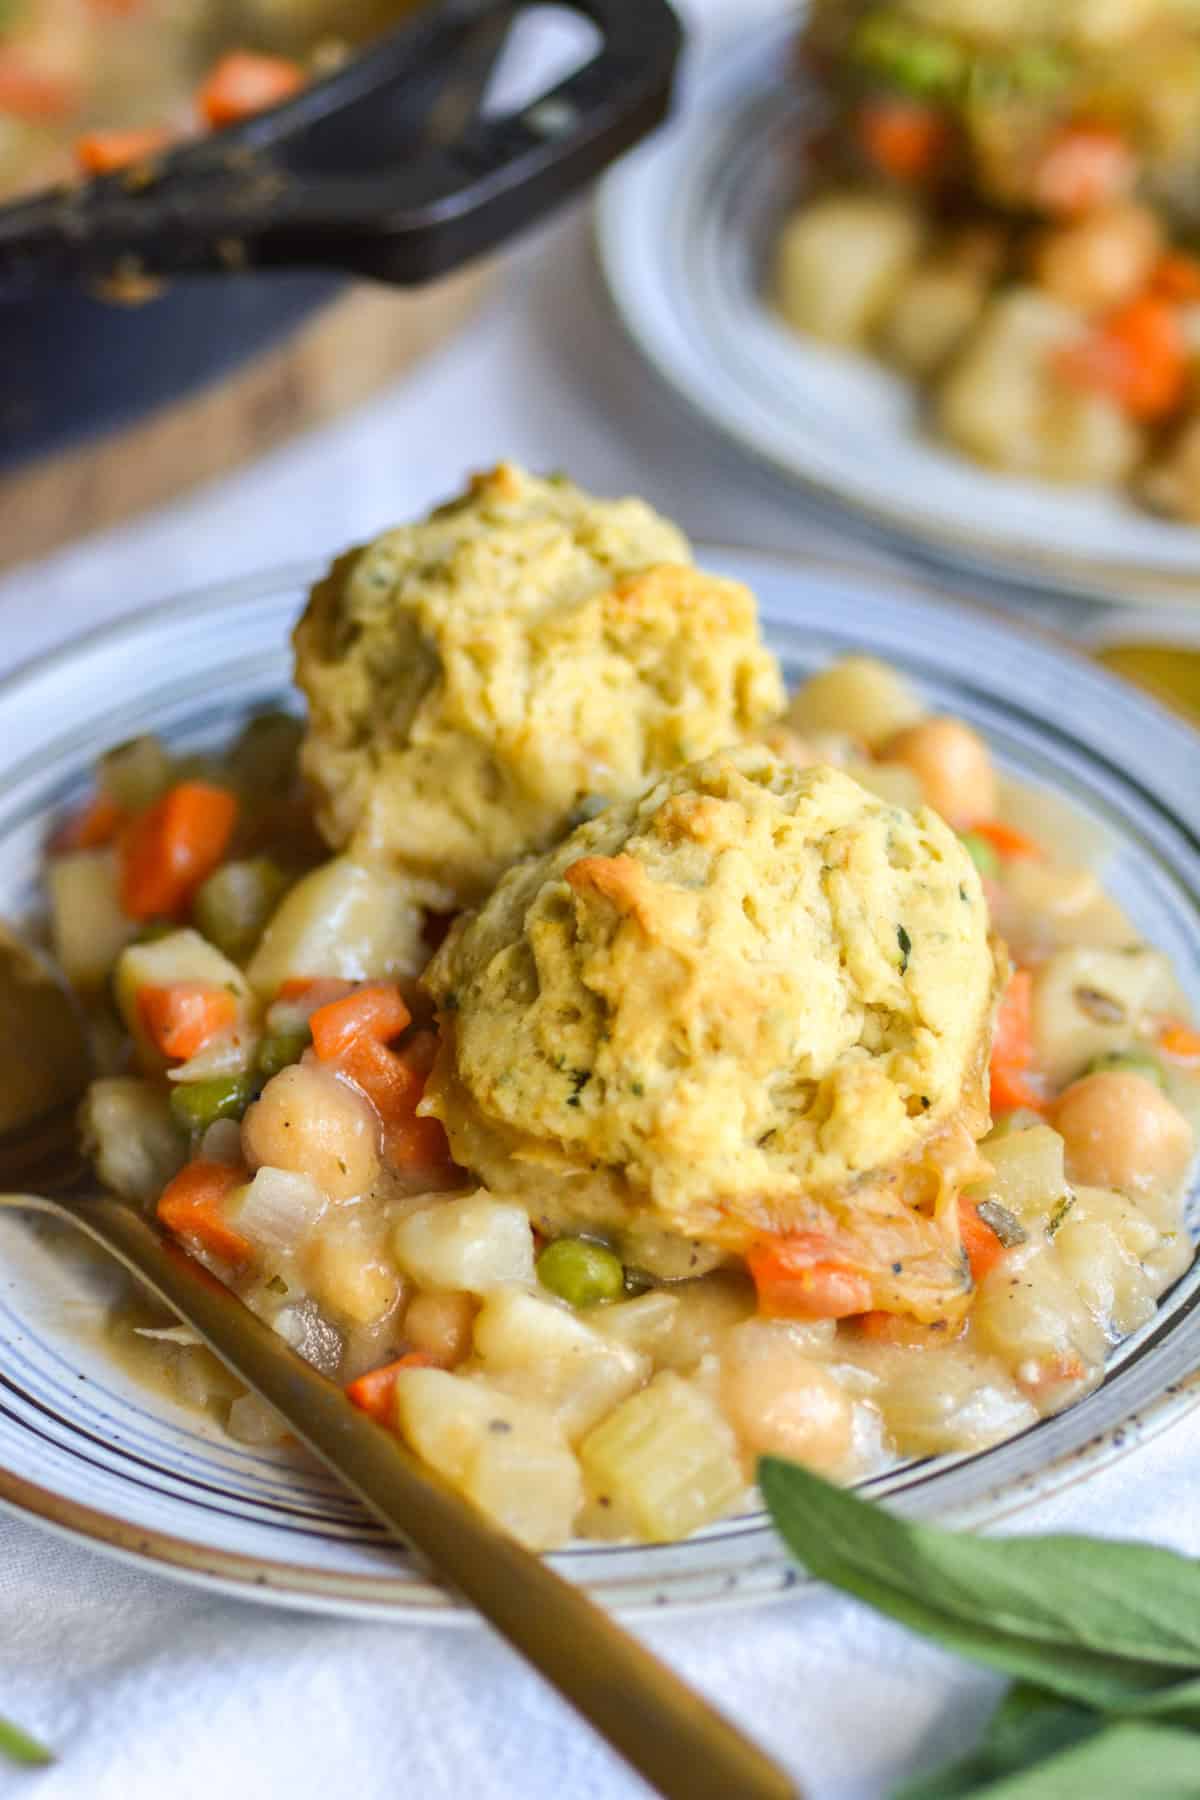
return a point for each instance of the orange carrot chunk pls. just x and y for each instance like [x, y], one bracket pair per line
[374, 1393]
[1007, 841]
[244, 82]
[1176, 276]
[984, 1249]
[193, 1207]
[103, 152]
[182, 1017]
[1012, 1048]
[30, 92]
[376, 1012]
[1082, 166]
[903, 138]
[797, 1278]
[417, 1143]
[96, 825]
[1137, 355]
[173, 847]
[1179, 1041]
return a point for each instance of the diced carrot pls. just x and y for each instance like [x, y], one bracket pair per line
[1179, 1041]
[1012, 1048]
[169, 850]
[376, 1012]
[1137, 355]
[1081, 167]
[1176, 276]
[30, 92]
[374, 1393]
[96, 825]
[797, 1277]
[984, 1249]
[244, 82]
[903, 138]
[385, 1077]
[116, 9]
[193, 1207]
[179, 1019]
[103, 152]
[1007, 841]
[417, 1143]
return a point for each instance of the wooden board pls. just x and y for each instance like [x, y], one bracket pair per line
[333, 362]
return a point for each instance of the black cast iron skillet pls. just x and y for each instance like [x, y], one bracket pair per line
[386, 169]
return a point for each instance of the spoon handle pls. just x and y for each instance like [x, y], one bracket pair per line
[674, 1738]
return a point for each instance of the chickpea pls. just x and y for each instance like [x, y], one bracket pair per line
[309, 1121]
[952, 764]
[782, 1403]
[1121, 1132]
[1100, 261]
[440, 1323]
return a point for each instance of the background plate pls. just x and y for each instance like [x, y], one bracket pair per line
[685, 229]
[85, 1448]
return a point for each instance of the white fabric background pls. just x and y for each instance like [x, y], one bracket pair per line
[154, 1691]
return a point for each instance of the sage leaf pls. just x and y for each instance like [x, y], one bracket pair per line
[19, 1747]
[1124, 1761]
[1176, 1704]
[1096, 1621]
[1027, 1726]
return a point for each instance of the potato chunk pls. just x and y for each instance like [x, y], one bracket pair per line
[474, 1243]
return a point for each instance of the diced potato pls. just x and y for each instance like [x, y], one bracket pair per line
[252, 1421]
[930, 315]
[839, 260]
[475, 1243]
[858, 696]
[1027, 1173]
[540, 1349]
[708, 1308]
[666, 1459]
[1002, 403]
[1101, 1244]
[180, 956]
[1029, 1315]
[88, 927]
[891, 781]
[1088, 1001]
[349, 920]
[952, 1399]
[644, 1324]
[505, 1455]
[131, 1138]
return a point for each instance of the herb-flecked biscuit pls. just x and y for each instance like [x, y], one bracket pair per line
[479, 680]
[755, 1000]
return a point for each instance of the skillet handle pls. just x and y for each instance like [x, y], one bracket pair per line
[273, 194]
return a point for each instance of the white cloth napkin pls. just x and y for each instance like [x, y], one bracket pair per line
[155, 1691]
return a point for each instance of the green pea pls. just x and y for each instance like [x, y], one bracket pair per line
[919, 61]
[198, 1104]
[981, 854]
[580, 1271]
[1132, 1061]
[279, 1049]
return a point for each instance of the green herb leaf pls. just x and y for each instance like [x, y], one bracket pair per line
[1121, 1761]
[1026, 1727]
[1096, 1621]
[19, 1747]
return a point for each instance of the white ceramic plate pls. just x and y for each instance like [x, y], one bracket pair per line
[685, 228]
[86, 1449]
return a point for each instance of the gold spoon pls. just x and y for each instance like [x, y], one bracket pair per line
[676, 1740]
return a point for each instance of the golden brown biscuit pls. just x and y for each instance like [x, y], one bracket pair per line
[477, 680]
[756, 1000]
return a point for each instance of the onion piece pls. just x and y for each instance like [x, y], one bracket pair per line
[279, 1208]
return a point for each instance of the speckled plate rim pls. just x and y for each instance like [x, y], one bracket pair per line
[720, 91]
[763, 1575]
